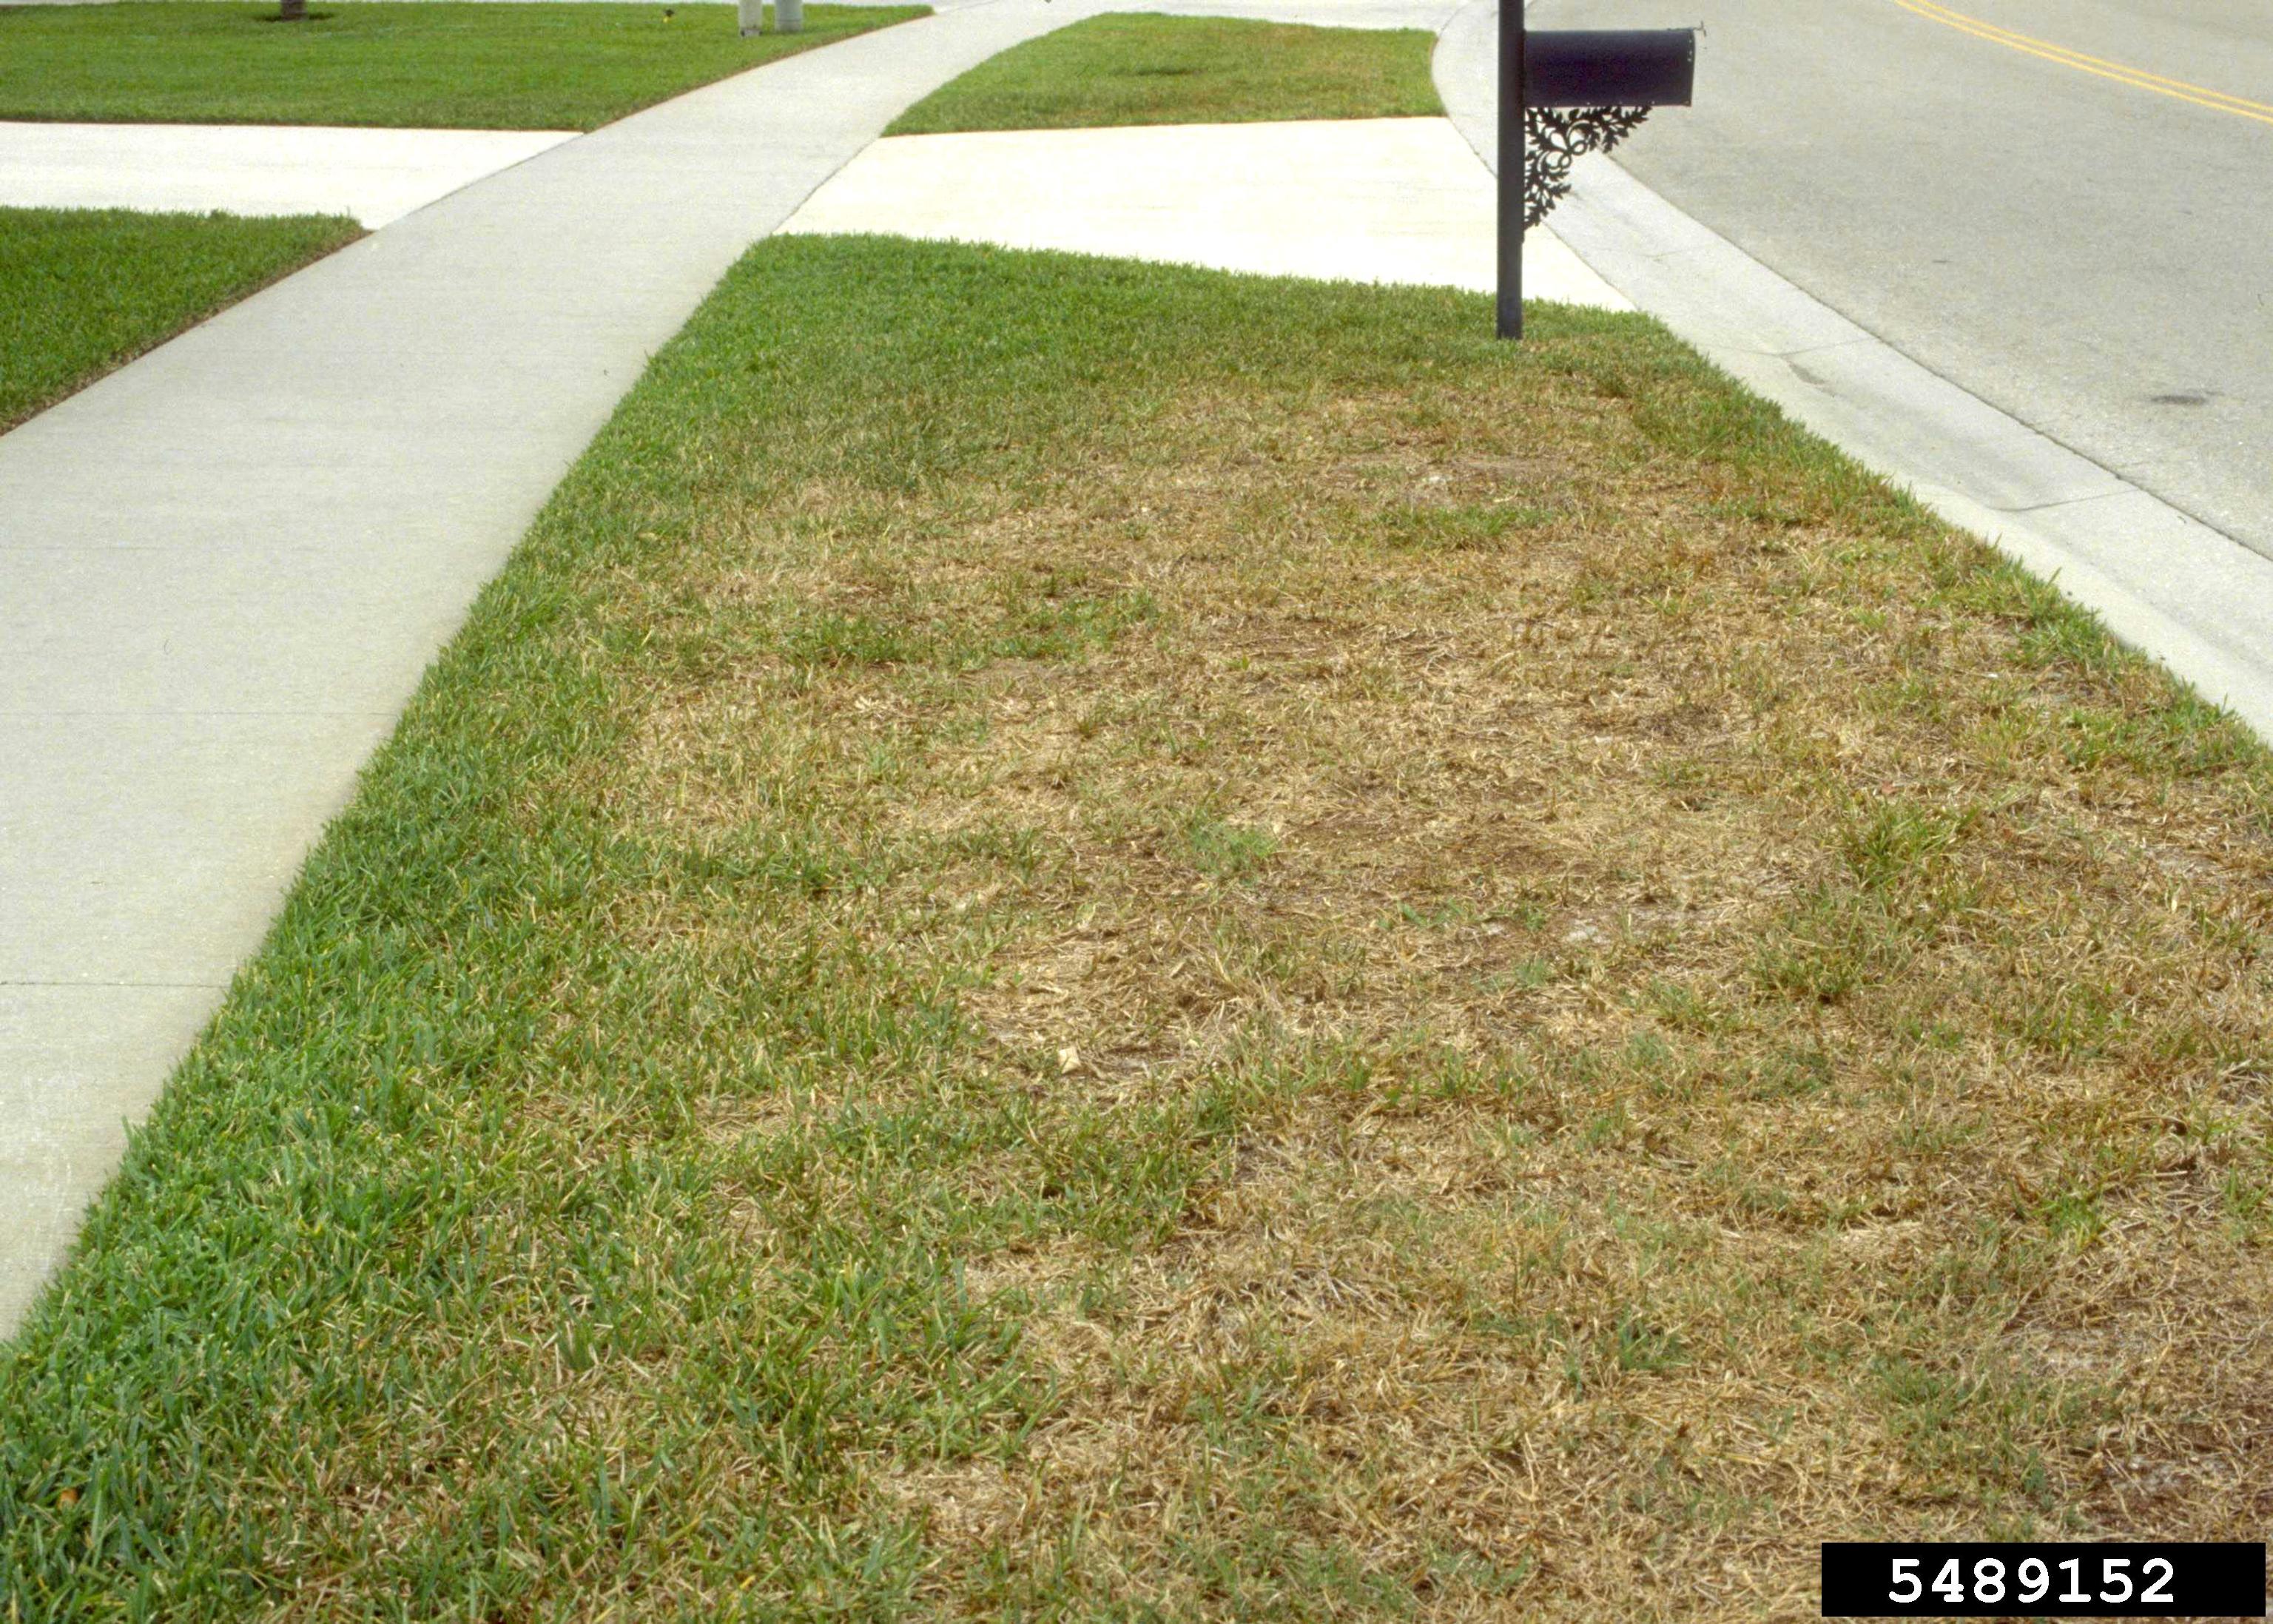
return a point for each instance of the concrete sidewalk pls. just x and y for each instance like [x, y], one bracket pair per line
[374, 176]
[223, 567]
[1376, 199]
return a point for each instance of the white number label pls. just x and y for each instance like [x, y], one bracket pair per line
[1935, 1582]
[2156, 1592]
[2033, 1585]
[2115, 1570]
[1949, 1584]
[1988, 1580]
[1905, 1573]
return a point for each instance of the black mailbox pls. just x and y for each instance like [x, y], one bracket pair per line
[1611, 67]
[1574, 91]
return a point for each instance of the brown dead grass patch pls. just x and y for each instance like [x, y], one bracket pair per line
[1754, 1022]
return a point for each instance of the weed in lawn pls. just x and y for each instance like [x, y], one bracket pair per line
[1228, 850]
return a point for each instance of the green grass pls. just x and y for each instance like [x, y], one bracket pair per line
[1003, 977]
[1144, 69]
[437, 65]
[85, 290]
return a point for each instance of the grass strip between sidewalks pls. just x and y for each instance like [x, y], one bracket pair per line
[430, 64]
[1143, 68]
[85, 290]
[1105, 941]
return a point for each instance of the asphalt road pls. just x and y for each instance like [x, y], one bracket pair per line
[2065, 207]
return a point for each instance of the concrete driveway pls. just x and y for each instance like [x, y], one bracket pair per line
[2065, 207]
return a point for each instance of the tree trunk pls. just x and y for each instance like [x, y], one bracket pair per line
[291, 10]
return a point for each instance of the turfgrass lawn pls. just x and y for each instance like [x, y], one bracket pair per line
[476, 67]
[1076, 938]
[85, 290]
[1145, 68]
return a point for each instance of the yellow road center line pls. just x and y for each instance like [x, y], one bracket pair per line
[2098, 67]
[2014, 37]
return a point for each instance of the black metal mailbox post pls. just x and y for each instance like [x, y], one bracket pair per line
[1579, 91]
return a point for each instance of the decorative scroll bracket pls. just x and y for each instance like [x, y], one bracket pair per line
[1554, 137]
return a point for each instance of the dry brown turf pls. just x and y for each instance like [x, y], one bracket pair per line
[1545, 996]
[1780, 1008]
